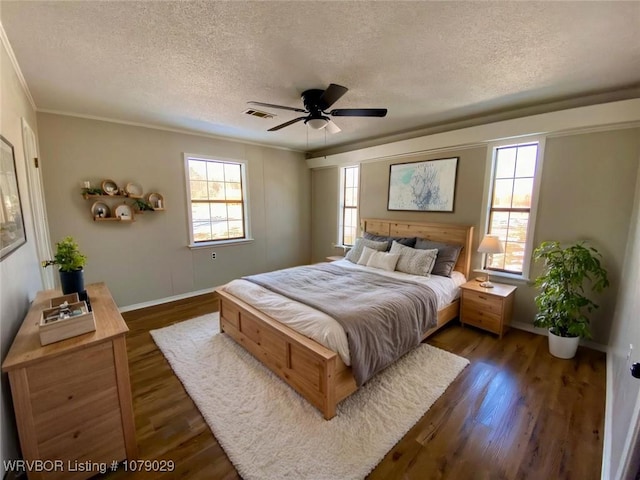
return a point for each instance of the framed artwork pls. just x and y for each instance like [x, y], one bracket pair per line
[427, 186]
[12, 232]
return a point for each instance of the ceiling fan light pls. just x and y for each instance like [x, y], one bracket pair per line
[317, 123]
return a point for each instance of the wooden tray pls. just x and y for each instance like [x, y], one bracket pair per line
[54, 330]
[71, 298]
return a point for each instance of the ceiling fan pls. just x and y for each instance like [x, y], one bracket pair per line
[316, 102]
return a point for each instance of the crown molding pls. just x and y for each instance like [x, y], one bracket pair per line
[166, 129]
[607, 116]
[16, 66]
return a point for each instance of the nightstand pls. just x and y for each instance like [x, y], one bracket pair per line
[487, 308]
[334, 258]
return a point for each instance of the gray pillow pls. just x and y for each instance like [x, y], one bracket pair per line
[354, 254]
[416, 262]
[447, 256]
[407, 241]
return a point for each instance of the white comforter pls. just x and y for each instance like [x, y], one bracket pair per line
[318, 325]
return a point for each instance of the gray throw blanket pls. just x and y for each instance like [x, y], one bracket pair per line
[383, 318]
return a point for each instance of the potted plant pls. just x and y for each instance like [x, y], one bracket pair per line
[562, 302]
[70, 263]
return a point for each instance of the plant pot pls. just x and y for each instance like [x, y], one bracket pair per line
[562, 347]
[72, 282]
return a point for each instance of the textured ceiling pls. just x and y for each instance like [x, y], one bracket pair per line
[194, 65]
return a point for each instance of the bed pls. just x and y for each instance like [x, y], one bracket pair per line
[318, 373]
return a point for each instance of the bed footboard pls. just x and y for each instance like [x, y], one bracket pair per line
[315, 372]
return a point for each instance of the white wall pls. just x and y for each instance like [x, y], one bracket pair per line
[148, 260]
[19, 272]
[623, 392]
[587, 190]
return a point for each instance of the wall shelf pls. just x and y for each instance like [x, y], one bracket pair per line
[121, 204]
[87, 196]
[111, 219]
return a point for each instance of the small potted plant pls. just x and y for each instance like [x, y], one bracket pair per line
[562, 302]
[70, 263]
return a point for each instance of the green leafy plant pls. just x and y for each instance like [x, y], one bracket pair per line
[142, 205]
[562, 304]
[67, 257]
[92, 191]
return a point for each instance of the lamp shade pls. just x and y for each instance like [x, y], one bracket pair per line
[490, 244]
[317, 123]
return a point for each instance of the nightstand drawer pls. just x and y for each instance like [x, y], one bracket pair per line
[486, 320]
[483, 302]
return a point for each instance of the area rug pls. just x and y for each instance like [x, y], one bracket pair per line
[270, 432]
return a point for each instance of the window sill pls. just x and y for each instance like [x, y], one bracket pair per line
[219, 243]
[506, 276]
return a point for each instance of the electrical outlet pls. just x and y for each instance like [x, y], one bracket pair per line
[213, 255]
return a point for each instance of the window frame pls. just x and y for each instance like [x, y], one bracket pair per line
[341, 204]
[489, 183]
[244, 167]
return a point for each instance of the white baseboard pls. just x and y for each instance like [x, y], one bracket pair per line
[160, 301]
[527, 327]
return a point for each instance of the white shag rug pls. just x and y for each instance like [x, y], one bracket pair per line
[270, 432]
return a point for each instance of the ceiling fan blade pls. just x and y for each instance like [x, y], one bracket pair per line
[331, 95]
[332, 127]
[281, 107]
[286, 124]
[359, 112]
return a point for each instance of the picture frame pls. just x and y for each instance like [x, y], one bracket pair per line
[12, 231]
[424, 186]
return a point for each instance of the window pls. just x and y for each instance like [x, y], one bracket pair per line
[348, 226]
[217, 197]
[514, 184]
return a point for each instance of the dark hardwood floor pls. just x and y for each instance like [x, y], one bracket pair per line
[515, 412]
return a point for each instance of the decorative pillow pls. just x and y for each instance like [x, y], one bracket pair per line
[353, 255]
[408, 241]
[384, 261]
[447, 256]
[366, 255]
[416, 262]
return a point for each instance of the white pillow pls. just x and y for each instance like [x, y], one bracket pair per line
[366, 255]
[353, 255]
[416, 262]
[383, 260]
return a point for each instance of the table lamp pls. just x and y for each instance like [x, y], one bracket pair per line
[490, 245]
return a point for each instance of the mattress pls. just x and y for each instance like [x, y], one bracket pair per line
[321, 327]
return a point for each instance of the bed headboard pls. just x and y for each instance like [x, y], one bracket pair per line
[437, 232]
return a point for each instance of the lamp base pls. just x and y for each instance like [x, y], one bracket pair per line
[486, 284]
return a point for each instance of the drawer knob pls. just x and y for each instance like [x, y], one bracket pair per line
[481, 297]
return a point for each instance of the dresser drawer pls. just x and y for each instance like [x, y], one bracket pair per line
[98, 441]
[71, 379]
[484, 302]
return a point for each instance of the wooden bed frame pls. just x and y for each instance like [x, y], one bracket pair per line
[314, 371]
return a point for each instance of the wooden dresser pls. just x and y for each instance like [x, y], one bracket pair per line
[72, 399]
[487, 308]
